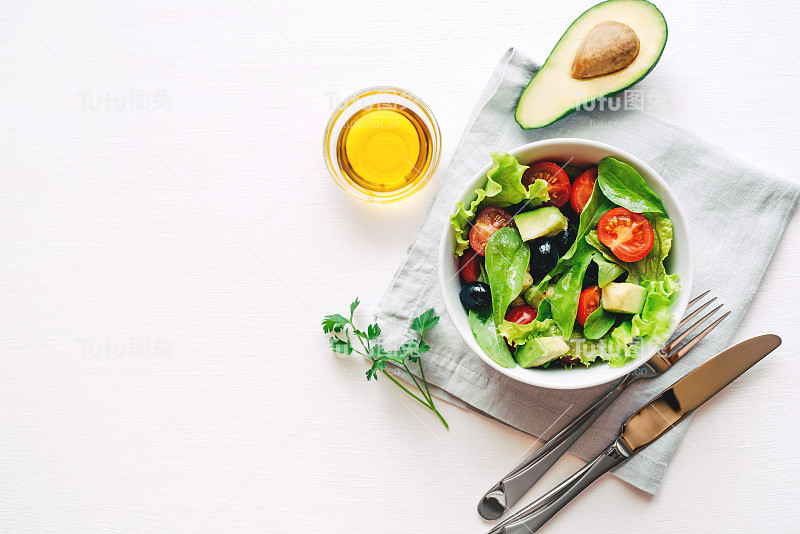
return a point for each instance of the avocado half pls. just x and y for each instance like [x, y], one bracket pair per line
[554, 92]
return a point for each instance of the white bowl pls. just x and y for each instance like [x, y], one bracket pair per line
[680, 260]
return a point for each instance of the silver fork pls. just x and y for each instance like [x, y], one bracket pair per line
[516, 483]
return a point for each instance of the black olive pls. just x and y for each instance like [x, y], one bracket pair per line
[544, 256]
[475, 295]
[518, 208]
[590, 278]
[565, 239]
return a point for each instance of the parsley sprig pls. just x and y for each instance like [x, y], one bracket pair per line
[341, 327]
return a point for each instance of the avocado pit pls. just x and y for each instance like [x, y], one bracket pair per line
[608, 47]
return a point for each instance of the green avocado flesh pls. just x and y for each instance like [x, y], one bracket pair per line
[553, 92]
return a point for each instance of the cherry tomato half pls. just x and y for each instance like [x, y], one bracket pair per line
[489, 221]
[588, 302]
[557, 181]
[521, 314]
[470, 266]
[629, 235]
[582, 189]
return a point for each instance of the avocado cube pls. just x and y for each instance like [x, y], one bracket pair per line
[542, 222]
[623, 297]
[540, 350]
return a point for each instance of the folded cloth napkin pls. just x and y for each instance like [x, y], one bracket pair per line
[737, 216]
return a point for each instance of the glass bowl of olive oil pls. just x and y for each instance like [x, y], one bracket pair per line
[382, 144]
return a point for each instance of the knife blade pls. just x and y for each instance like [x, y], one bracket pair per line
[687, 394]
[645, 426]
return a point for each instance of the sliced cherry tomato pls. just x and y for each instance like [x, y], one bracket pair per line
[470, 266]
[588, 302]
[489, 221]
[582, 189]
[629, 235]
[557, 181]
[521, 314]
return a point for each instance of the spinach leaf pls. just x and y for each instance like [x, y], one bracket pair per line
[607, 271]
[623, 184]
[609, 268]
[507, 258]
[544, 310]
[598, 324]
[485, 333]
[564, 303]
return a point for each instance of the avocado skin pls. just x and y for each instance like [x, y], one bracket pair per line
[574, 108]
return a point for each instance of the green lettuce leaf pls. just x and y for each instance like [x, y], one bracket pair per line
[653, 322]
[651, 325]
[519, 334]
[623, 185]
[620, 346]
[460, 221]
[503, 188]
[507, 258]
[587, 351]
[485, 333]
[651, 267]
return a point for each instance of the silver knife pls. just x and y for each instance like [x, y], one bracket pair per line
[645, 426]
[513, 487]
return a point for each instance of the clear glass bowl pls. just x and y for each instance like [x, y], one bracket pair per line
[386, 97]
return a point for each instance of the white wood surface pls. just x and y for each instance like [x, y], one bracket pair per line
[163, 271]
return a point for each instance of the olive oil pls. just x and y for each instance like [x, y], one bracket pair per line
[384, 148]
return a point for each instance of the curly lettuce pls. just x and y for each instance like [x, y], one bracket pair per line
[503, 188]
[652, 324]
[519, 334]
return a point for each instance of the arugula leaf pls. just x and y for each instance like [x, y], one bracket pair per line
[425, 321]
[484, 331]
[507, 258]
[623, 184]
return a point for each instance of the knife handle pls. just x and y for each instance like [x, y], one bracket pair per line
[534, 516]
[516, 484]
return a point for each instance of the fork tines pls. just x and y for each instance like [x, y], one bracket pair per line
[670, 348]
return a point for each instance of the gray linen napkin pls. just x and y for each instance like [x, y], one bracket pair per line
[724, 198]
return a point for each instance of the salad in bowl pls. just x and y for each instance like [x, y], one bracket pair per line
[565, 263]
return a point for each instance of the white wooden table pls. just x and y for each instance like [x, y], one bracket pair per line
[169, 241]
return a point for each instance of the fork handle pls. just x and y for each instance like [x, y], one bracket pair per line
[516, 484]
[534, 516]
